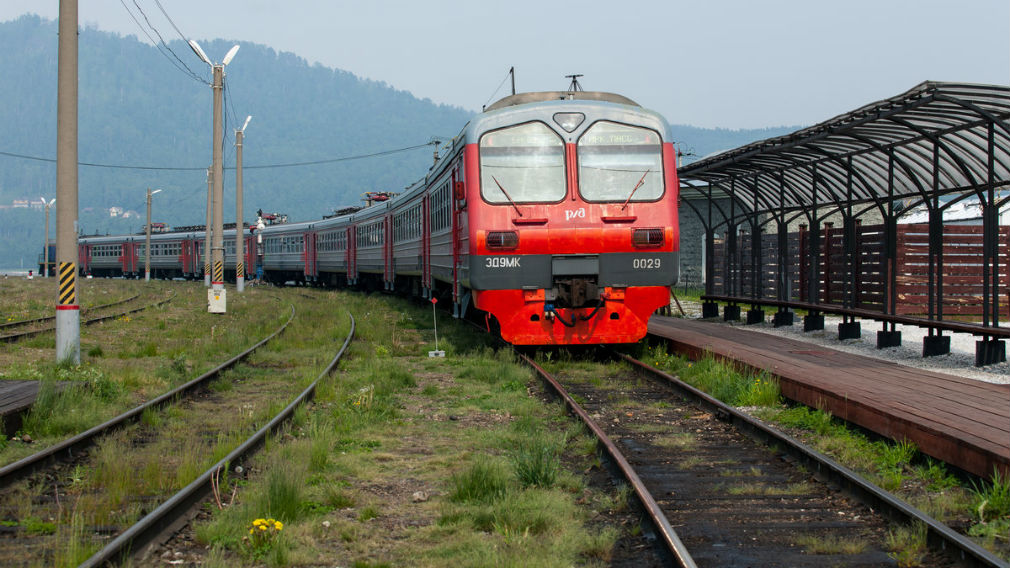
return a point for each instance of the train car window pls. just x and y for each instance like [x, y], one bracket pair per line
[522, 164]
[619, 163]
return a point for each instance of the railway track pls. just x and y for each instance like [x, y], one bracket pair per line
[21, 323]
[722, 489]
[140, 539]
[42, 493]
[41, 326]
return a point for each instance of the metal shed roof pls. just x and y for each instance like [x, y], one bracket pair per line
[935, 139]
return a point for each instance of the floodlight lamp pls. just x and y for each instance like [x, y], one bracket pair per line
[199, 52]
[247, 119]
[156, 191]
[228, 57]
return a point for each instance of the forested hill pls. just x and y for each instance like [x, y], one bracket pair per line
[137, 108]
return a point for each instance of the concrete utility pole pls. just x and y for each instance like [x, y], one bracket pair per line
[239, 224]
[217, 240]
[147, 239]
[206, 232]
[68, 312]
[216, 299]
[45, 239]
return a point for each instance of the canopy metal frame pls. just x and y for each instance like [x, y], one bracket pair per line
[937, 140]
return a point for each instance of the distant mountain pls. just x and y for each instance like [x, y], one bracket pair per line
[138, 108]
[697, 143]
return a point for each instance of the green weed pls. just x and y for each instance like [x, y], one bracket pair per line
[483, 482]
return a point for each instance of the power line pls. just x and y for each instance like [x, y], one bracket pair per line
[160, 44]
[204, 168]
[169, 18]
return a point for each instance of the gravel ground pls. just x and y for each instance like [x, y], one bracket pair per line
[960, 361]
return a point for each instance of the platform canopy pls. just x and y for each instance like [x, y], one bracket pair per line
[935, 139]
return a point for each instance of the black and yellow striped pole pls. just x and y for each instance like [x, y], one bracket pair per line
[68, 313]
[239, 224]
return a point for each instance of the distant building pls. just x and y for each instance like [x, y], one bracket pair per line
[115, 211]
[20, 204]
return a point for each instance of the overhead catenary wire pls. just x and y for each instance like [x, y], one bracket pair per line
[244, 167]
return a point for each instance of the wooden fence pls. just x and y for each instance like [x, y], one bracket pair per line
[960, 269]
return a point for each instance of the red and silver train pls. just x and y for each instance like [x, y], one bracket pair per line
[554, 214]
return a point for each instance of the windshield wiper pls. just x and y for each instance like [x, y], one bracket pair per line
[634, 189]
[507, 196]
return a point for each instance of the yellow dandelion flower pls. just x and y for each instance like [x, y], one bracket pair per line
[250, 531]
[263, 527]
[278, 525]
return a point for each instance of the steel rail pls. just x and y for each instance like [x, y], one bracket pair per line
[69, 447]
[84, 310]
[24, 335]
[669, 537]
[140, 538]
[938, 534]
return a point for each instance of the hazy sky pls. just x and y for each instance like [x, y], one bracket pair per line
[726, 63]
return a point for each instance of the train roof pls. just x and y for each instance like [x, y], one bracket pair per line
[541, 96]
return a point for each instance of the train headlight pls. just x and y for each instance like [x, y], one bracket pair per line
[502, 240]
[647, 237]
[569, 120]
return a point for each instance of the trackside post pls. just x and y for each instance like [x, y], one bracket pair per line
[434, 321]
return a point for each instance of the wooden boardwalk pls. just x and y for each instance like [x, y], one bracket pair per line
[963, 422]
[15, 398]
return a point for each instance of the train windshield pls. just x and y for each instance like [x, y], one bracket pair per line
[619, 163]
[522, 164]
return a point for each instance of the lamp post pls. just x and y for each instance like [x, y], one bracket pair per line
[147, 239]
[216, 297]
[45, 239]
[239, 224]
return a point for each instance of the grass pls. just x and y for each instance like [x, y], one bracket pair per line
[827, 544]
[484, 481]
[907, 544]
[718, 380]
[992, 505]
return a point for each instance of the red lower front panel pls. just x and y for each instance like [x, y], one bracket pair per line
[623, 319]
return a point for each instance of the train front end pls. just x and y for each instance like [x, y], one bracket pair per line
[572, 208]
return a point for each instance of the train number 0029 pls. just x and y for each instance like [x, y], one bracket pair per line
[645, 263]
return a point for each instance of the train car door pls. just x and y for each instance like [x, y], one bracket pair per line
[457, 240]
[250, 255]
[387, 252]
[84, 259]
[126, 258]
[352, 255]
[311, 265]
[196, 256]
[426, 242]
[187, 257]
